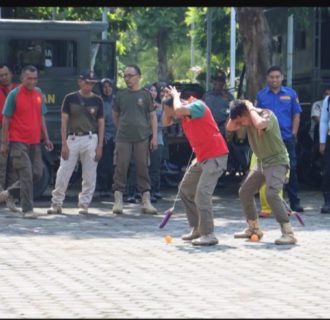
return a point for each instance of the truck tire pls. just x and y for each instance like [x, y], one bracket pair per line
[40, 187]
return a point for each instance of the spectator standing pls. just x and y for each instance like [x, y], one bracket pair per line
[105, 165]
[201, 177]
[325, 151]
[284, 103]
[6, 85]
[315, 118]
[82, 132]
[273, 163]
[156, 156]
[136, 121]
[218, 100]
[23, 122]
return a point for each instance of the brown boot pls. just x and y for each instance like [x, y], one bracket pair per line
[147, 207]
[287, 235]
[118, 205]
[253, 228]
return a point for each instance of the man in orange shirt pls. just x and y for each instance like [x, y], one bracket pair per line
[6, 85]
[23, 123]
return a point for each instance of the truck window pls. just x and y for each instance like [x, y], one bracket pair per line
[49, 56]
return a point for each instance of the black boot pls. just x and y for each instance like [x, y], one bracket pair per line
[296, 206]
[326, 206]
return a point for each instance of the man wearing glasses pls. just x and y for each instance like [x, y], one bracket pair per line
[134, 115]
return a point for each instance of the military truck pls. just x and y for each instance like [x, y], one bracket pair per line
[60, 50]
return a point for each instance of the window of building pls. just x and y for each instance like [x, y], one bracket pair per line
[46, 55]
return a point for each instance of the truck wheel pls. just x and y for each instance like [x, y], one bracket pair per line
[40, 187]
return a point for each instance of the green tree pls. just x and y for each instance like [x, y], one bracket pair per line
[256, 39]
[162, 28]
[220, 55]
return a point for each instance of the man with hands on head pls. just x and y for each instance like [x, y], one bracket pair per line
[273, 162]
[201, 177]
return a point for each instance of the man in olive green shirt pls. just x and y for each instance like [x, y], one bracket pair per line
[273, 162]
[135, 117]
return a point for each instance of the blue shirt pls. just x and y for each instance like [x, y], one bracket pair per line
[324, 120]
[160, 127]
[109, 127]
[284, 104]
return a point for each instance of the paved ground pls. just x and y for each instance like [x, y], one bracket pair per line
[108, 266]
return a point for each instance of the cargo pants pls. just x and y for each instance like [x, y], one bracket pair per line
[274, 177]
[196, 190]
[25, 162]
[81, 148]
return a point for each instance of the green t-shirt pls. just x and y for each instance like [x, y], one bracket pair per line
[84, 112]
[267, 144]
[134, 109]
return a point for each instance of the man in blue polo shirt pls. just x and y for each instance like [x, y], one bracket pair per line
[283, 101]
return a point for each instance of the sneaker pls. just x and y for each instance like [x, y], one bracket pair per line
[30, 214]
[54, 209]
[83, 209]
[157, 195]
[11, 205]
[138, 196]
[3, 195]
[296, 207]
[131, 199]
[153, 199]
[206, 240]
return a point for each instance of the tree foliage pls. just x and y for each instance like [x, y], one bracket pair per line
[256, 40]
[220, 53]
[163, 28]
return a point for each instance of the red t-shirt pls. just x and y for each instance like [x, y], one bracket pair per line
[204, 136]
[25, 109]
[3, 95]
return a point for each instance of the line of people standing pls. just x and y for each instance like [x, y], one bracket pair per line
[97, 127]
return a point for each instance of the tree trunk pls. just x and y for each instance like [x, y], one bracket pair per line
[256, 38]
[162, 57]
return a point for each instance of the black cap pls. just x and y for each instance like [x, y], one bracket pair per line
[88, 75]
[219, 75]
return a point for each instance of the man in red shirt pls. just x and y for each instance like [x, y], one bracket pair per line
[22, 125]
[6, 85]
[200, 179]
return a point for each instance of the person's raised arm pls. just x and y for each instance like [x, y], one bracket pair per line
[258, 121]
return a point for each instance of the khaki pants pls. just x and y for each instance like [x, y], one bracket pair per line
[274, 177]
[122, 157]
[5, 178]
[3, 166]
[82, 148]
[25, 162]
[196, 190]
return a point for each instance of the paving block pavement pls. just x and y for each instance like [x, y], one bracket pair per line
[119, 266]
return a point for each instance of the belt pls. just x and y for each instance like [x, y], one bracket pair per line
[79, 134]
